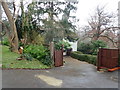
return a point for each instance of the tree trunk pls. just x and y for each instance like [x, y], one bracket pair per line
[14, 36]
[96, 36]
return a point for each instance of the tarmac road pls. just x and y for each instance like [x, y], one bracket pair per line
[74, 74]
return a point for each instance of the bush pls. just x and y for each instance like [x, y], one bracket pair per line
[92, 59]
[47, 60]
[26, 56]
[5, 42]
[84, 57]
[78, 52]
[39, 52]
[92, 47]
[98, 44]
[86, 48]
[62, 44]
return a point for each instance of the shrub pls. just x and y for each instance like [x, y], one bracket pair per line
[62, 44]
[98, 44]
[92, 47]
[5, 42]
[78, 52]
[47, 60]
[84, 57]
[39, 52]
[92, 59]
[86, 48]
[27, 56]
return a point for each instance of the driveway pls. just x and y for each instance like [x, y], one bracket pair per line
[74, 74]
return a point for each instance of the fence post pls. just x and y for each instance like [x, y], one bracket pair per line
[119, 32]
[99, 58]
[119, 47]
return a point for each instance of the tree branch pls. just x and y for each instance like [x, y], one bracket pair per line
[14, 9]
[113, 42]
[108, 29]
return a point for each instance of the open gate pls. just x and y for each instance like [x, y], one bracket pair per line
[107, 58]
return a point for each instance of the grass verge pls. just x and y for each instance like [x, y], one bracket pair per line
[9, 61]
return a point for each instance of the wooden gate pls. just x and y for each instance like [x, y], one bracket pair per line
[58, 58]
[107, 58]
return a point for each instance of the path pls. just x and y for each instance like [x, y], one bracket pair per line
[74, 74]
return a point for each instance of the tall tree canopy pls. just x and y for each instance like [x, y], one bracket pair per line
[51, 21]
[44, 16]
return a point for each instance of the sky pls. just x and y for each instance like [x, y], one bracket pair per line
[86, 8]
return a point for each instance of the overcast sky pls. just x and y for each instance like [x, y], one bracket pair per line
[86, 7]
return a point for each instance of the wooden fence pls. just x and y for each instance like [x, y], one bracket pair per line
[107, 58]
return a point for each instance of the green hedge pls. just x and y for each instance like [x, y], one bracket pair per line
[84, 57]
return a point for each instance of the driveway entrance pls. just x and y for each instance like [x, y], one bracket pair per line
[74, 74]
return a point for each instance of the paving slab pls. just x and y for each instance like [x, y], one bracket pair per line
[74, 74]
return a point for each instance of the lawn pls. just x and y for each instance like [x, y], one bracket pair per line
[9, 60]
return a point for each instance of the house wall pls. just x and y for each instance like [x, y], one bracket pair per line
[73, 45]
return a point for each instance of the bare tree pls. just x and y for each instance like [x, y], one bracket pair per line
[101, 25]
